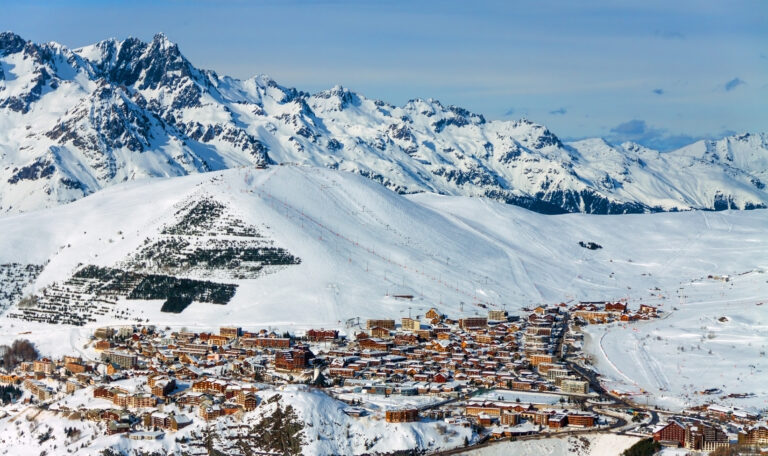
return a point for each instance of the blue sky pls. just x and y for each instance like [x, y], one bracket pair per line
[660, 73]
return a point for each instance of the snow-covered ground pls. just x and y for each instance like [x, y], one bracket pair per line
[73, 123]
[360, 244]
[330, 430]
[586, 445]
[379, 402]
[714, 337]
[522, 396]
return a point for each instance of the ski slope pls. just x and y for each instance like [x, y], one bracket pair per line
[361, 244]
[714, 338]
[588, 445]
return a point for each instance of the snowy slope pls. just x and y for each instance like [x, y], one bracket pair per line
[75, 121]
[588, 445]
[328, 431]
[714, 338]
[359, 244]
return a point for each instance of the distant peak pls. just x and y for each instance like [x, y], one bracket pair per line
[11, 43]
[631, 146]
[161, 37]
[338, 91]
[344, 95]
[10, 35]
[160, 40]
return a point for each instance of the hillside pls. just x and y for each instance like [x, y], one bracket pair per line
[296, 247]
[76, 121]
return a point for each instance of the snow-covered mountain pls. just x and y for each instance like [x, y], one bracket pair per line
[75, 121]
[297, 247]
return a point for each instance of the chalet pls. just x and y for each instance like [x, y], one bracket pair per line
[115, 427]
[74, 368]
[145, 435]
[160, 420]
[248, 401]
[209, 385]
[73, 385]
[179, 422]
[593, 316]
[523, 385]
[497, 315]
[266, 342]
[210, 412]
[558, 420]
[9, 379]
[381, 333]
[616, 307]
[509, 418]
[103, 392]
[406, 339]
[540, 358]
[441, 328]
[375, 344]
[230, 332]
[319, 335]
[188, 372]
[402, 415]
[473, 323]
[44, 366]
[756, 435]
[647, 310]
[104, 333]
[441, 377]
[386, 324]
[123, 359]
[670, 434]
[702, 437]
[218, 341]
[163, 387]
[410, 324]
[423, 334]
[581, 419]
[575, 386]
[39, 390]
[295, 359]
[484, 420]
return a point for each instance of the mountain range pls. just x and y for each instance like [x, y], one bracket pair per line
[74, 121]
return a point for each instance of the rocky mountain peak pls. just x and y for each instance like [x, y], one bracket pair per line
[133, 108]
[11, 43]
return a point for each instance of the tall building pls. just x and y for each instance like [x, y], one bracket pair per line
[410, 324]
[123, 359]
